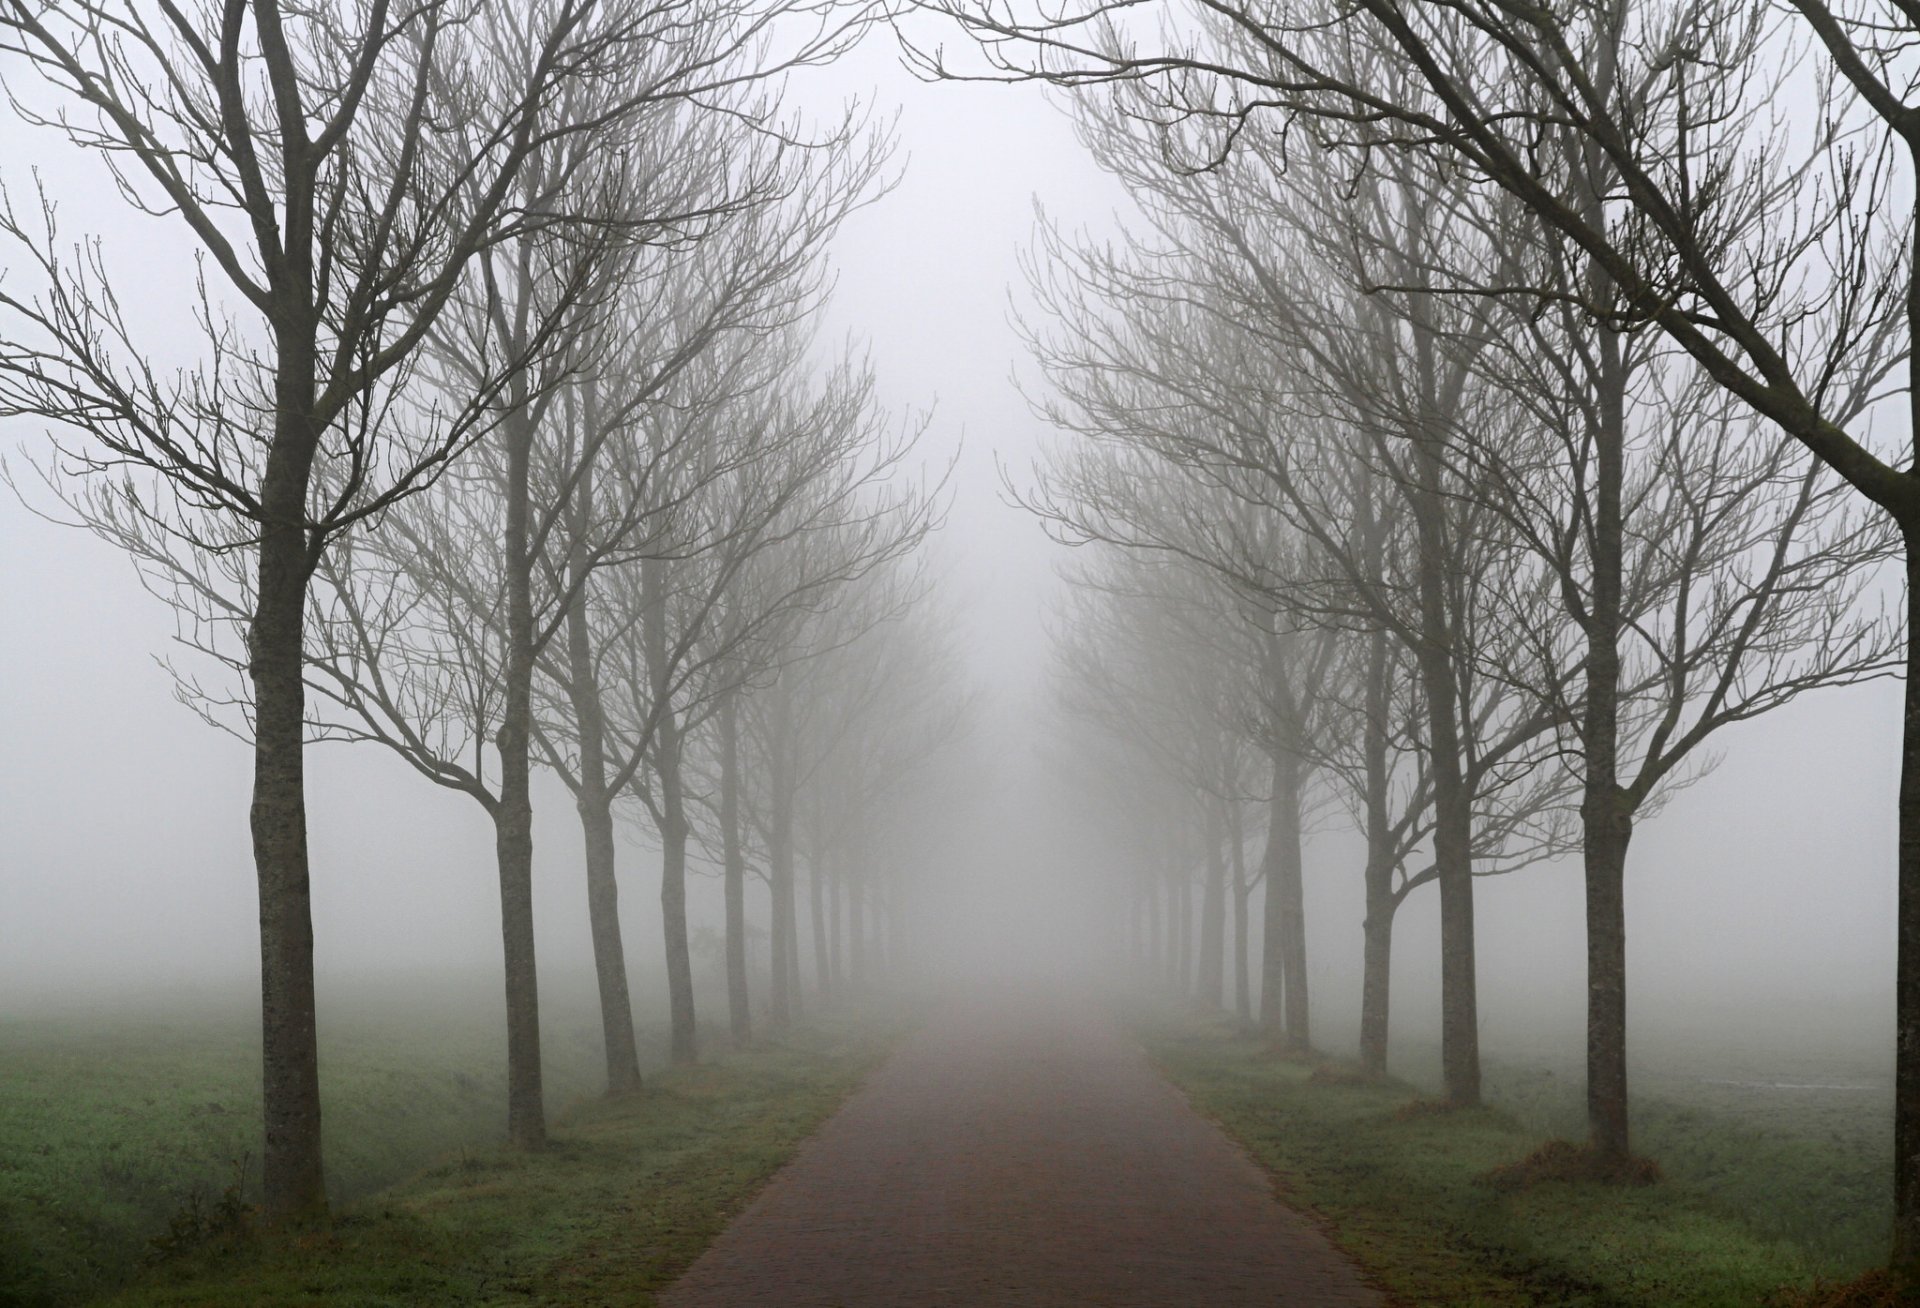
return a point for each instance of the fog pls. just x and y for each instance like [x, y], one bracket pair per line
[1763, 896]
[1083, 590]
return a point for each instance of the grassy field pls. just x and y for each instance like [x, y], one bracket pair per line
[1754, 1205]
[113, 1127]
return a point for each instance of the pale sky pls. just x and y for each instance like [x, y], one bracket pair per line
[124, 859]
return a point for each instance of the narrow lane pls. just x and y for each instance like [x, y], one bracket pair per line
[1019, 1156]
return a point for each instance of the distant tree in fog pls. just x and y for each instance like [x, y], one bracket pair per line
[820, 465]
[823, 686]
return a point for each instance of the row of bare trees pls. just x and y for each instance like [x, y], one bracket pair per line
[1609, 256]
[1462, 426]
[508, 440]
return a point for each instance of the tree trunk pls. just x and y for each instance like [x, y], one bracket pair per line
[673, 809]
[1376, 979]
[817, 914]
[595, 807]
[293, 1182]
[783, 1002]
[734, 870]
[1452, 802]
[1606, 811]
[1242, 990]
[1277, 971]
[836, 910]
[1289, 891]
[1213, 919]
[1155, 939]
[1906, 1075]
[609, 950]
[673, 915]
[1176, 934]
[513, 811]
[857, 929]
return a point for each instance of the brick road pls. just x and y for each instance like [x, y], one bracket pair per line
[1026, 1156]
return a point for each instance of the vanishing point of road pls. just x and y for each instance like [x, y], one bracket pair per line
[1020, 1156]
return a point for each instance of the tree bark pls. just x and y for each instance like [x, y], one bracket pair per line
[293, 1181]
[836, 909]
[1289, 890]
[1376, 979]
[1452, 802]
[1906, 1075]
[857, 930]
[1242, 990]
[734, 871]
[1213, 918]
[817, 913]
[595, 806]
[1606, 811]
[1177, 938]
[779, 871]
[513, 811]
[1155, 939]
[673, 813]
[784, 1006]
[1283, 997]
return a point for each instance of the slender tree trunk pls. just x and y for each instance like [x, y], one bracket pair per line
[1906, 989]
[780, 976]
[293, 1182]
[1213, 918]
[1289, 891]
[783, 1004]
[1189, 951]
[1906, 1075]
[595, 806]
[609, 950]
[1377, 955]
[1242, 990]
[857, 928]
[836, 911]
[1452, 841]
[1452, 802]
[673, 810]
[796, 996]
[1283, 850]
[817, 914]
[1155, 939]
[673, 915]
[513, 810]
[1176, 934]
[1605, 809]
[734, 870]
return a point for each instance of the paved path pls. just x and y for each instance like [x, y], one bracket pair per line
[1020, 1159]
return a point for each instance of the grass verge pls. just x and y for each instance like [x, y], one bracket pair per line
[1409, 1194]
[115, 1124]
[627, 1196]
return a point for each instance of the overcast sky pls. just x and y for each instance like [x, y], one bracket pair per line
[124, 858]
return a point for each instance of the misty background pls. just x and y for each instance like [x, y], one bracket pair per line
[1760, 900]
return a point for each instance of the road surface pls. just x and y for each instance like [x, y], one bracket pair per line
[1020, 1155]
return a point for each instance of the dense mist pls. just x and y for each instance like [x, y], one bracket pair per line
[927, 493]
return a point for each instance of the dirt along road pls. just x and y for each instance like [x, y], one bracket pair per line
[1016, 1155]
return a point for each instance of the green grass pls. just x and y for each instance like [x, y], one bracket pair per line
[110, 1124]
[629, 1193]
[1406, 1196]
[114, 1124]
